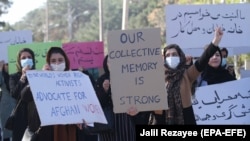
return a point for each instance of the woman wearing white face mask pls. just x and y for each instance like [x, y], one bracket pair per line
[179, 81]
[57, 60]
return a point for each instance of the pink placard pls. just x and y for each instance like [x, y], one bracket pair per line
[84, 54]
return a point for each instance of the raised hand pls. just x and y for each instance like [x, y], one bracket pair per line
[217, 36]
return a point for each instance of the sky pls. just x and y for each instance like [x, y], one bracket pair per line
[19, 9]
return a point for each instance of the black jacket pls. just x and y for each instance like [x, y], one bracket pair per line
[20, 122]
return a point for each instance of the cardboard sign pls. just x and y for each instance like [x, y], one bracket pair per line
[136, 70]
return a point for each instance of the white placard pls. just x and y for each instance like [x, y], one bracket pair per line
[13, 38]
[64, 97]
[225, 103]
[244, 73]
[192, 26]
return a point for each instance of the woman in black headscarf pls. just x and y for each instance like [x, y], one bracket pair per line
[214, 72]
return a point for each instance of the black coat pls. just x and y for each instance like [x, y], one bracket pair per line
[46, 132]
[27, 115]
[216, 75]
[20, 123]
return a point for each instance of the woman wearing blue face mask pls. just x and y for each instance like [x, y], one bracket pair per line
[179, 80]
[17, 83]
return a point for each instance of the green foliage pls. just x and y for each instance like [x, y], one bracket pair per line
[112, 13]
[78, 20]
[89, 32]
[36, 24]
[4, 6]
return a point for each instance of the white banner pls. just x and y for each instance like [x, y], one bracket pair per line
[225, 103]
[13, 38]
[192, 26]
[64, 97]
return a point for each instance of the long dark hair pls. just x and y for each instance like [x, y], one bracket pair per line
[174, 77]
[180, 52]
[59, 50]
[105, 65]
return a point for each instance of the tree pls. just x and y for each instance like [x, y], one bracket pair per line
[112, 13]
[4, 6]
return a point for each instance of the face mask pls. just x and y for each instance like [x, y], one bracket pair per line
[224, 61]
[173, 62]
[58, 67]
[27, 62]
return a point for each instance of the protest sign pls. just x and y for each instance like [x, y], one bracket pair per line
[64, 97]
[192, 26]
[10, 38]
[137, 70]
[224, 103]
[84, 54]
[39, 49]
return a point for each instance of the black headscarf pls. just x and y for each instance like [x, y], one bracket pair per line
[105, 67]
[216, 75]
[104, 97]
[106, 74]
